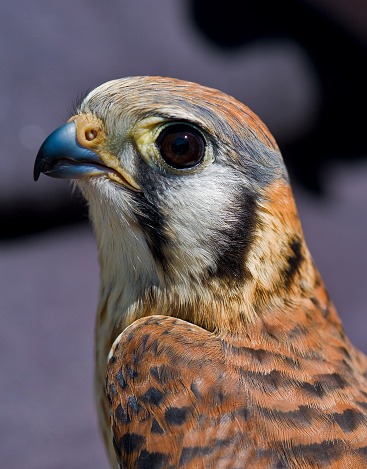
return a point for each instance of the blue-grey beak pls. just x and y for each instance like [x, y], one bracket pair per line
[61, 156]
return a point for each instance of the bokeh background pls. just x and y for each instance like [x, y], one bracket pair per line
[299, 64]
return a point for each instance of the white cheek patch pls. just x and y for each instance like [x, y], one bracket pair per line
[195, 211]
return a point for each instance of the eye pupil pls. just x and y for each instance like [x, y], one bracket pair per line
[181, 146]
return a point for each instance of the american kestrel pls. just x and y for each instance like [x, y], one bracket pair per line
[216, 342]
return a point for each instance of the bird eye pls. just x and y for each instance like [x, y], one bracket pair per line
[181, 146]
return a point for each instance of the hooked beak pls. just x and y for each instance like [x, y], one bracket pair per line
[63, 156]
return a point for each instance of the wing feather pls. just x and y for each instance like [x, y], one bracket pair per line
[181, 396]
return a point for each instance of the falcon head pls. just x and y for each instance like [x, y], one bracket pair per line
[192, 210]
[189, 198]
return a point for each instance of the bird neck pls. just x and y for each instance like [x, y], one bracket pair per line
[281, 286]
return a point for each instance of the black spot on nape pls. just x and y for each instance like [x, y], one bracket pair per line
[177, 415]
[153, 396]
[259, 356]
[130, 442]
[233, 240]
[349, 420]
[151, 222]
[294, 261]
[149, 460]
[344, 351]
[324, 311]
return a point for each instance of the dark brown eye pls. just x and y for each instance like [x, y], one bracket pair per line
[181, 146]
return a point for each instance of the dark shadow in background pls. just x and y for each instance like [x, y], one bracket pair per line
[24, 219]
[339, 60]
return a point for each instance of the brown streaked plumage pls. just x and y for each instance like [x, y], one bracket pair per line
[224, 349]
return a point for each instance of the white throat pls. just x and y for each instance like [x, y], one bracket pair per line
[126, 263]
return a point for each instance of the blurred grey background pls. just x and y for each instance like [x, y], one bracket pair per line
[300, 65]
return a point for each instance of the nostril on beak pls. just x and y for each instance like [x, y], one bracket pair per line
[90, 134]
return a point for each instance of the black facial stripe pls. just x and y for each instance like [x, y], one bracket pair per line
[151, 222]
[233, 242]
[294, 261]
[149, 217]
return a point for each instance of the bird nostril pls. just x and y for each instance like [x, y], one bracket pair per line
[90, 134]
